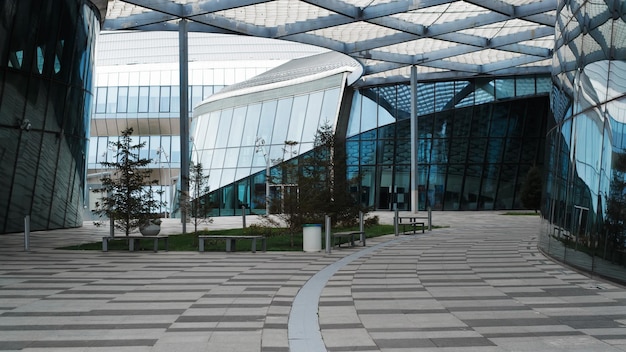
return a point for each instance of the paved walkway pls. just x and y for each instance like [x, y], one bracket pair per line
[478, 285]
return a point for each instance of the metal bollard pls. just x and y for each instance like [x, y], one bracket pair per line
[430, 219]
[27, 233]
[327, 226]
[395, 223]
[362, 227]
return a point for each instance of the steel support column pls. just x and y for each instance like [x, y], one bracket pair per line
[183, 58]
[414, 143]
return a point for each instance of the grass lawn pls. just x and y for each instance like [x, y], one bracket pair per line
[278, 239]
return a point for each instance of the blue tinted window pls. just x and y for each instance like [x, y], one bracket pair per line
[133, 99]
[298, 117]
[164, 104]
[175, 99]
[444, 95]
[112, 99]
[354, 124]
[504, 88]
[143, 99]
[253, 115]
[154, 99]
[122, 99]
[224, 128]
[266, 124]
[282, 120]
[101, 100]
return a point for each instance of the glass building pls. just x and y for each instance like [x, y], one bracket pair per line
[142, 91]
[477, 138]
[584, 193]
[46, 75]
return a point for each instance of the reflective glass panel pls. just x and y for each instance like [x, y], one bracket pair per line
[133, 99]
[224, 128]
[122, 99]
[266, 123]
[298, 117]
[236, 131]
[143, 99]
[282, 120]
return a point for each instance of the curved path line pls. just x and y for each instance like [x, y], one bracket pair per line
[303, 328]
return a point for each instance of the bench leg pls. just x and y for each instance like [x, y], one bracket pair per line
[105, 244]
[156, 244]
[131, 244]
[352, 240]
[200, 244]
[253, 246]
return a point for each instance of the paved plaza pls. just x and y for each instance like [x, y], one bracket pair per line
[479, 284]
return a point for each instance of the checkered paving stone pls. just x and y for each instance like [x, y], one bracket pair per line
[465, 290]
[479, 285]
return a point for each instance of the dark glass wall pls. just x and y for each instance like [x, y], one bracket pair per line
[469, 158]
[584, 221]
[46, 66]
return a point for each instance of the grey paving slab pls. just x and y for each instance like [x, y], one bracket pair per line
[477, 285]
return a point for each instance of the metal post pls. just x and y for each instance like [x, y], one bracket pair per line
[267, 185]
[362, 227]
[260, 147]
[243, 215]
[414, 143]
[183, 58]
[27, 233]
[395, 222]
[430, 219]
[327, 226]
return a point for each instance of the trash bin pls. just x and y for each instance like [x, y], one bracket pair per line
[312, 237]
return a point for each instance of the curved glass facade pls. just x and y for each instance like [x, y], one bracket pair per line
[46, 66]
[476, 142]
[585, 193]
[237, 137]
[477, 139]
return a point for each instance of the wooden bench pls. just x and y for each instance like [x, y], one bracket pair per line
[231, 241]
[350, 235]
[133, 241]
[413, 222]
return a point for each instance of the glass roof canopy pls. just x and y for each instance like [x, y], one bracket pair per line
[444, 39]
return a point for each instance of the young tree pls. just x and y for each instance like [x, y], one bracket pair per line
[286, 205]
[324, 181]
[127, 195]
[531, 189]
[320, 185]
[199, 207]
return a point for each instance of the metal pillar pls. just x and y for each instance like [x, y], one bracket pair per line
[27, 233]
[414, 144]
[267, 185]
[362, 226]
[328, 241]
[183, 58]
[395, 222]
